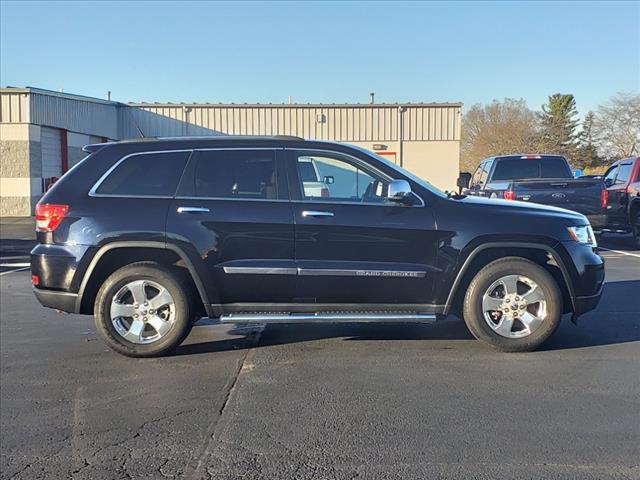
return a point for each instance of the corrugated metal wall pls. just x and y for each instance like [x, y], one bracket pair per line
[14, 106]
[134, 122]
[349, 123]
[75, 114]
[51, 152]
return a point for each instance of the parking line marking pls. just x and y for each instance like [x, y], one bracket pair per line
[620, 252]
[22, 264]
[13, 271]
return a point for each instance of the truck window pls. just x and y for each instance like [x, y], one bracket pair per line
[554, 167]
[475, 180]
[517, 168]
[624, 173]
[514, 168]
[610, 176]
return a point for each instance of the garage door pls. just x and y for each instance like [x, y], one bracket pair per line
[51, 152]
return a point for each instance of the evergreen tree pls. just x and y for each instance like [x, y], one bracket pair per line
[587, 155]
[558, 122]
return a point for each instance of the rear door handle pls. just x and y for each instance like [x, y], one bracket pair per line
[193, 210]
[316, 213]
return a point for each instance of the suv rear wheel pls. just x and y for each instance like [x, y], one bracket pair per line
[143, 310]
[513, 304]
[636, 230]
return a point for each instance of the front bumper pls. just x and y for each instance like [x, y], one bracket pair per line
[63, 301]
[586, 276]
[585, 304]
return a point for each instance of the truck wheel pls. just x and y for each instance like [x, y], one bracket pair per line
[513, 304]
[143, 310]
[636, 231]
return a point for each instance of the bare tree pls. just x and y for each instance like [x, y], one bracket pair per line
[499, 128]
[616, 126]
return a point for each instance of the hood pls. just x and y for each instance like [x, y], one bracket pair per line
[515, 206]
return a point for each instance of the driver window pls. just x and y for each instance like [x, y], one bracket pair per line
[610, 176]
[475, 181]
[329, 178]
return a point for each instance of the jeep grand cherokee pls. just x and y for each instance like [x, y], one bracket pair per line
[149, 235]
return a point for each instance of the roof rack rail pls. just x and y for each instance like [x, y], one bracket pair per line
[287, 137]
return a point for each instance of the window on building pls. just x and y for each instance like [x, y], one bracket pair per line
[148, 174]
[249, 174]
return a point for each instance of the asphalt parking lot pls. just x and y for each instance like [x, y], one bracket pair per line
[319, 402]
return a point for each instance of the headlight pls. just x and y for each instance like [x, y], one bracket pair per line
[583, 234]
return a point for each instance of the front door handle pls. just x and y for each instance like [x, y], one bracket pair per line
[316, 213]
[193, 210]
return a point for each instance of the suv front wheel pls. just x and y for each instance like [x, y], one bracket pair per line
[143, 310]
[513, 304]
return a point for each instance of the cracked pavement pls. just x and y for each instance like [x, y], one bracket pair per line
[322, 402]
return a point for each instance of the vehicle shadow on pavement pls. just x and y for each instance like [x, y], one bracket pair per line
[615, 321]
[14, 247]
[615, 241]
[605, 326]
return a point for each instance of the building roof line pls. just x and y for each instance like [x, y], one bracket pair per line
[53, 93]
[294, 105]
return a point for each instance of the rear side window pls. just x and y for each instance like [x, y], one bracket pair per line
[146, 174]
[248, 174]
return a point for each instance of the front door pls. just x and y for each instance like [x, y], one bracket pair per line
[352, 244]
[233, 217]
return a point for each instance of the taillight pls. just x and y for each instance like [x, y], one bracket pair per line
[35, 280]
[604, 198]
[509, 195]
[49, 216]
[324, 192]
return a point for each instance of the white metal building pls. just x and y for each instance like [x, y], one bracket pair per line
[42, 133]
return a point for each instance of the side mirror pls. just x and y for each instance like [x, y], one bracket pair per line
[463, 181]
[608, 182]
[329, 179]
[399, 191]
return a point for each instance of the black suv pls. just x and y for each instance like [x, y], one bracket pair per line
[150, 235]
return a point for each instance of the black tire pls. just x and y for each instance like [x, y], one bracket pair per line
[167, 278]
[473, 314]
[636, 230]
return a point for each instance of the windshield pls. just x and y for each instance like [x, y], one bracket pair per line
[423, 183]
[510, 168]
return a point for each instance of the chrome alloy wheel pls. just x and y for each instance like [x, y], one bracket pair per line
[514, 306]
[142, 311]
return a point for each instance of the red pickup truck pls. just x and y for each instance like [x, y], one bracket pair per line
[622, 192]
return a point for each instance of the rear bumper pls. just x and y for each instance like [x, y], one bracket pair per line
[63, 301]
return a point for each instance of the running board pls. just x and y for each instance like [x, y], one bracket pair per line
[329, 317]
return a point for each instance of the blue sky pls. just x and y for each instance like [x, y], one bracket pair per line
[324, 52]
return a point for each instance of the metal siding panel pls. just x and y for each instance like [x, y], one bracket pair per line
[82, 116]
[51, 152]
[14, 107]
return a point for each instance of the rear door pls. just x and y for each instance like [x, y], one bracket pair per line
[353, 246]
[233, 216]
[616, 181]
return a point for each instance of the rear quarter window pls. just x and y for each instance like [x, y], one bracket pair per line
[145, 174]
